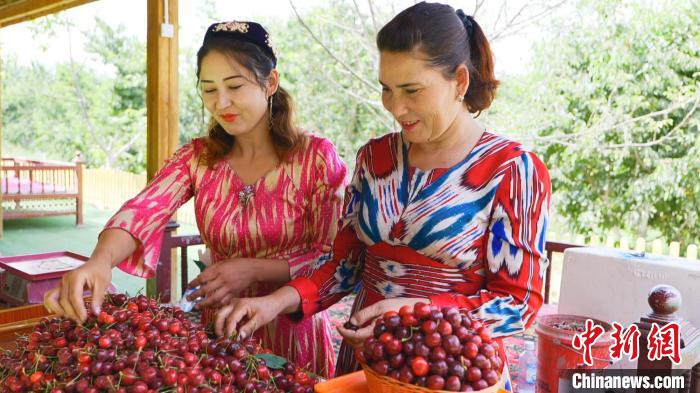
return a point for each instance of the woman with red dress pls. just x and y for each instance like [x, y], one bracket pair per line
[443, 212]
[267, 198]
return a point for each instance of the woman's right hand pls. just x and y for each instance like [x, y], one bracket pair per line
[67, 298]
[247, 315]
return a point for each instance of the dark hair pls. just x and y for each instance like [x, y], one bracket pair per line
[286, 137]
[448, 40]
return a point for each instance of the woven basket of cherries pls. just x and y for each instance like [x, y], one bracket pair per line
[426, 349]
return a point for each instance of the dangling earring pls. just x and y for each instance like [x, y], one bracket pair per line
[270, 112]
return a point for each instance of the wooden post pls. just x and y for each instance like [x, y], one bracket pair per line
[665, 301]
[162, 94]
[163, 278]
[79, 168]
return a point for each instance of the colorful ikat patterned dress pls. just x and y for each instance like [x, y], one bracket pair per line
[291, 213]
[472, 235]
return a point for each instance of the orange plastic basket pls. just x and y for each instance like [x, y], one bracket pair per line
[382, 384]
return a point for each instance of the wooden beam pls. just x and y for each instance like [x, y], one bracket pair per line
[162, 95]
[17, 11]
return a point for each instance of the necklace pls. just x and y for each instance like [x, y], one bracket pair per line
[245, 195]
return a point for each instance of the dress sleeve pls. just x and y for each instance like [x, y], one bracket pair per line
[145, 215]
[515, 255]
[327, 182]
[336, 273]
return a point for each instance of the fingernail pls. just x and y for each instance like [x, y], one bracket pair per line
[242, 335]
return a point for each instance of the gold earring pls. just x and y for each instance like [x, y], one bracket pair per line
[270, 112]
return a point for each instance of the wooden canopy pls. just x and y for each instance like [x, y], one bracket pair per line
[15, 11]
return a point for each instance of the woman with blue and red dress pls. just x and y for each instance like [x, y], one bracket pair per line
[443, 212]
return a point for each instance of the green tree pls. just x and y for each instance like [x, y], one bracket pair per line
[96, 105]
[612, 103]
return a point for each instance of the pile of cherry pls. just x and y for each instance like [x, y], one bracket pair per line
[136, 345]
[441, 349]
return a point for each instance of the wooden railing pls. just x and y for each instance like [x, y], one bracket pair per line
[32, 188]
[552, 248]
[170, 243]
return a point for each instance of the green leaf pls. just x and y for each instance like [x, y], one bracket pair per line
[272, 361]
[200, 265]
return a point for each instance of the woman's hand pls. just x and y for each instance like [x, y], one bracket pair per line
[245, 316]
[223, 281]
[67, 298]
[356, 338]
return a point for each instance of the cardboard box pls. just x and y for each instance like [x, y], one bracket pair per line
[613, 285]
[25, 278]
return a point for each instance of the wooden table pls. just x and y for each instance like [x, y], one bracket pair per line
[17, 321]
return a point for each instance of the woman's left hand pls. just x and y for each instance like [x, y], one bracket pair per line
[223, 281]
[357, 337]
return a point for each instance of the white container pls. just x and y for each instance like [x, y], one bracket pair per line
[613, 285]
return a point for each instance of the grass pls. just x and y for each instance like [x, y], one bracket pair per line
[48, 234]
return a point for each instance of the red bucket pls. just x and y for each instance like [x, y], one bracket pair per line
[556, 353]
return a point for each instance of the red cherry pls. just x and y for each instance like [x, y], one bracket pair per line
[428, 326]
[491, 377]
[421, 310]
[405, 375]
[476, 339]
[470, 350]
[485, 334]
[389, 314]
[169, 377]
[60, 342]
[435, 382]
[105, 342]
[433, 339]
[393, 347]
[480, 385]
[263, 373]
[385, 337]
[488, 350]
[405, 310]
[409, 320]
[174, 328]
[419, 366]
[140, 342]
[473, 374]
[476, 325]
[444, 328]
[381, 367]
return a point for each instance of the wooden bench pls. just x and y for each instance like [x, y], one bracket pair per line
[32, 188]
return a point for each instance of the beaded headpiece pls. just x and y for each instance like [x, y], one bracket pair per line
[248, 31]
